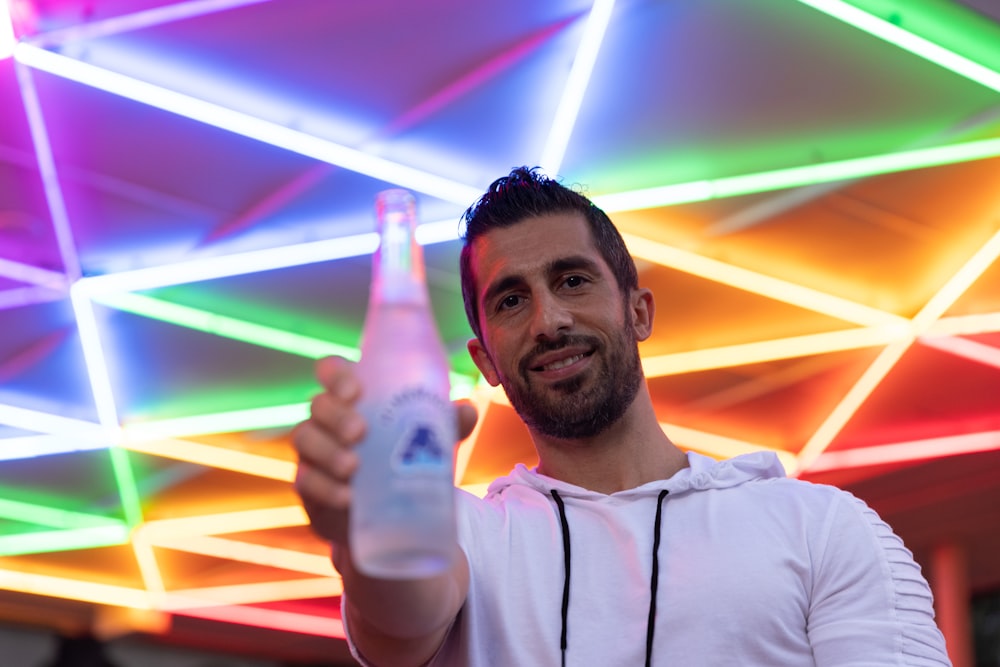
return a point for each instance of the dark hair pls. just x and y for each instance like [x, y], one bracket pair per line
[525, 193]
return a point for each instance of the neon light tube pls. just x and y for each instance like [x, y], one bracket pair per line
[26, 296]
[44, 422]
[902, 452]
[73, 589]
[248, 332]
[63, 540]
[164, 530]
[908, 41]
[221, 422]
[245, 125]
[227, 327]
[965, 348]
[849, 404]
[285, 621]
[255, 554]
[215, 457]
[770, 350]
[28, 273]
[698, 191]
[31, 446]
[720, 446]
[575, 87]
[257, 593]
[48, 172]
[751, 281]
[138, 21]
[93, 355]
[227, 266]
[7, 37]
[958, 284]
[53, 517]
[963, 325]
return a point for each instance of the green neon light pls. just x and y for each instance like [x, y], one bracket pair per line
[944, 22]
[128, 492]
[704, 190]
[52, 517]
[248, 332]
[251, 419]
[925, 46]
[226, 327]
[64, 540]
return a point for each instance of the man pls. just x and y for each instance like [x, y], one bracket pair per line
[619, 548]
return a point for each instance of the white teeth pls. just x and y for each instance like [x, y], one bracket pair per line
[563, 363]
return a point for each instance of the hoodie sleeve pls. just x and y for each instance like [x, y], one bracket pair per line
[870, 604]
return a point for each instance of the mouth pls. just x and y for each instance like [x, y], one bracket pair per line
[557, 361]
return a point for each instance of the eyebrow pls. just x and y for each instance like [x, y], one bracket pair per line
[557, 266]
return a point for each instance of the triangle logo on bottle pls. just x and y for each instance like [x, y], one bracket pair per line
[420, 447]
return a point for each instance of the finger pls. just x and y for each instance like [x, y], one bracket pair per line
[323, 454]
[339, 376]
[467, 416]
[340, 420]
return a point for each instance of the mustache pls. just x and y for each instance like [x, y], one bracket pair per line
[544, 347]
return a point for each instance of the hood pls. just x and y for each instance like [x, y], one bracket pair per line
[703, 473]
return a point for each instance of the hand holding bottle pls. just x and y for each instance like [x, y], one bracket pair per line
[325, 445]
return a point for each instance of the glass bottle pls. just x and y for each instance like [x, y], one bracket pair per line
[403, 509]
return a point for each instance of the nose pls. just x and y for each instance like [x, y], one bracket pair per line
[549, 318]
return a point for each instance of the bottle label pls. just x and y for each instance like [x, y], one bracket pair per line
[422, 432]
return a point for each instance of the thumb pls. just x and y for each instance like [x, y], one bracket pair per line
[467, 417]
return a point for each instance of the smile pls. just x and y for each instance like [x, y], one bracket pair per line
[562, 363]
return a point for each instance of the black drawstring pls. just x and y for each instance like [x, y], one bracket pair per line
[566, 560]
[653, 579]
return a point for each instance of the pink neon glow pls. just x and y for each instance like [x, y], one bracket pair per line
[7, 39]
[268, 618]
[913, 450]
[965, 348]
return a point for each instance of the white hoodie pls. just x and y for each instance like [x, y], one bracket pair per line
[752, 568]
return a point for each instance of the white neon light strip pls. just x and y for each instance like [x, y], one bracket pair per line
[19, 297]
[137, 21]
[257, 593]
[93, 355]
[964, 325]
[31, 446]
[44, 422]
[163, 530]
[245, 125]
[915, 450]
[721, 447]
[211, 268]
[216, 457]
[28, 273]
[7, 38]
[47, 171]
[915, 44]
[221, 422]
[576, 86]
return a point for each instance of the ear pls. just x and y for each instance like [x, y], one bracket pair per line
[642, 308]
[483, 362]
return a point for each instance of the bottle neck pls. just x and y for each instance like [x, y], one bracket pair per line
[398, 265]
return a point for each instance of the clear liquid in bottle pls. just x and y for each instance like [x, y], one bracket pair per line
[403, 515]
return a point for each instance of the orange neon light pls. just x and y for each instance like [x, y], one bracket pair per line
[758, 283]
[164, 530]
[770, 350]
[215, 457]
[74, 589]
[256, 554]
[721, 447]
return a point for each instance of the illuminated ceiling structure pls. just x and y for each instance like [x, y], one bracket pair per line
[811, 187]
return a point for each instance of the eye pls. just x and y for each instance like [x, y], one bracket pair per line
[509, 301]
[574, 281]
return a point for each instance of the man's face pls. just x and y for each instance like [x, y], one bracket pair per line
[557, 332]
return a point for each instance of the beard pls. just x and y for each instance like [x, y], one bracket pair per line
[584, 405]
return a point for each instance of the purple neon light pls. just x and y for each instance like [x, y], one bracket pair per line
[47, 169]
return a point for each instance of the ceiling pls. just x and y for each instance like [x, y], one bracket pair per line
[811, 188]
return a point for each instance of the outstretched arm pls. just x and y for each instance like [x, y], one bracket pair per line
[392, 622]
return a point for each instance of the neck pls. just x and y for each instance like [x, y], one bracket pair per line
[632, 452]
